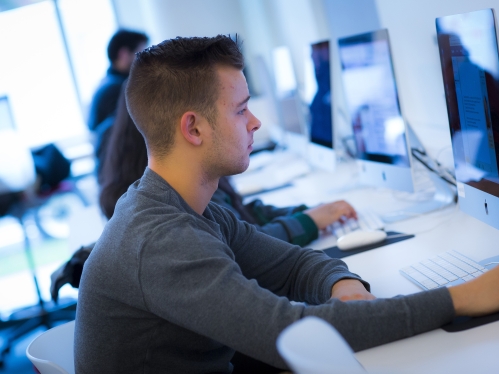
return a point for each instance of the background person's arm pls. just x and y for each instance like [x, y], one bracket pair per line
[326, 214]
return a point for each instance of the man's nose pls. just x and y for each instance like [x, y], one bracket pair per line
[255, 123]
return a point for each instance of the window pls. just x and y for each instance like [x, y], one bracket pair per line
[51, 62]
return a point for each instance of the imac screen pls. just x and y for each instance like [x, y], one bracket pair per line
[318, 94]
[470, 68]
[372, 98]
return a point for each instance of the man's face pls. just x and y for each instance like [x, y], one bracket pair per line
[232, 135]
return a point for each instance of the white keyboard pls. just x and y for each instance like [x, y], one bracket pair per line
[446, 269]
[271, 176]
[367, 220]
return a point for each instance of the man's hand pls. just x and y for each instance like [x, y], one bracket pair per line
[477, 297]
[326, 214]
[350, 289]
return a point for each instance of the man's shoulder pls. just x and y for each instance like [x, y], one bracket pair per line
[149, 200]
[146, 200]
[221, 214]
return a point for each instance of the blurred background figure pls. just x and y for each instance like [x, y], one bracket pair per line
[121, 52]
[320, 107]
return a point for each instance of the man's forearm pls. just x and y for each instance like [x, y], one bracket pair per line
[350, 289]
[477, 297]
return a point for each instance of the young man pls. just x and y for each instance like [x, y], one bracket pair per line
[177, 284]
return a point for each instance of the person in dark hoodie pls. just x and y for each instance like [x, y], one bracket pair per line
[121, 51]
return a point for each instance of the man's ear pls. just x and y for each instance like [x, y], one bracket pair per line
[190, 128]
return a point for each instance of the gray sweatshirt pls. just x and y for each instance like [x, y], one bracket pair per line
[168, 290]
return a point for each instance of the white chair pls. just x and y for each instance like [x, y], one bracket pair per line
[313, 346]
[52, 351]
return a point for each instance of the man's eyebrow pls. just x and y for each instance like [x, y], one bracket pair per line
[244, 101]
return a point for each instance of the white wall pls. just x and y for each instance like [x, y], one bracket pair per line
[295, 24]
[411, 26]
[263, 25]
[165, 19]
[345, 18]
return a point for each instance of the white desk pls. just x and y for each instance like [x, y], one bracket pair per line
[471, 351]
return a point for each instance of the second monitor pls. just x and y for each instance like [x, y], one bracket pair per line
[378, 126]
[382, 138]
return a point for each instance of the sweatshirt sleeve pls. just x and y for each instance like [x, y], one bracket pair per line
[264, 213]
[297, 228]
[236, 288]
[289, 224]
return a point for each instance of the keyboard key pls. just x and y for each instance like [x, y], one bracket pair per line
[470, 262]
[446, 269]
[440, 270]
[337, 229]
[449, 267]
[367, 220]
[420, 278]
[460, 264]
[431, 274]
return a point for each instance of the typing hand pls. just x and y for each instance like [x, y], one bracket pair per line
[326, 214]
[477, 297]
[350, 289]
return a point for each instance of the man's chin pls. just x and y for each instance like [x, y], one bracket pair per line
[237, 170]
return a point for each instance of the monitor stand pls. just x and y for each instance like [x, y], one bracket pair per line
[321, 157]
[444, 195]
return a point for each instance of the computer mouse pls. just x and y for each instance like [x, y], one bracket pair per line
[360, 238]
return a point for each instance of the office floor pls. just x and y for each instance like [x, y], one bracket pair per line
[17, 285]
[16, 361]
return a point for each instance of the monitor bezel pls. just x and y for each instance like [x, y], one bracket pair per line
[473, 201]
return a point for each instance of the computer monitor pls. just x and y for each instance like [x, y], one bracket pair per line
[382, 137]
[377, 123]
[470, 68]
[317, 96]
[291, 114]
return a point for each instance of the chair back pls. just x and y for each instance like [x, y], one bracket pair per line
[52, 351]
[313, 346]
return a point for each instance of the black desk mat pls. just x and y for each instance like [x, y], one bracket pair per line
[457, 324]
[465, 323]
[335, 252]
